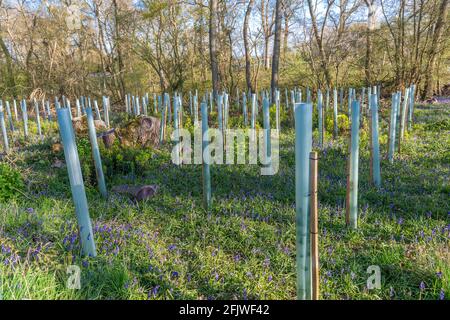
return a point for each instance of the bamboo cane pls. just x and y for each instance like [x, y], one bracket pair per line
[314, 217]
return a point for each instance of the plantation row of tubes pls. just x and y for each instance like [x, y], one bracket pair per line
[205, 112]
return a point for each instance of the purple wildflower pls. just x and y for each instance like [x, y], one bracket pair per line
[422, 286]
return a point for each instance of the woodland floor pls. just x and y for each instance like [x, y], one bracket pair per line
[168, 247]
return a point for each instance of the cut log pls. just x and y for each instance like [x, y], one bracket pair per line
[81, 128]
[140, 132]
[108, 137]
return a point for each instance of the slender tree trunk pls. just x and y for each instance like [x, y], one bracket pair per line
[276, 50]
[434, 49]
[286, 36]
[323, 59]
[9, 67]
[118, 40]
[370, 27]
[248, 75]
[213, 46]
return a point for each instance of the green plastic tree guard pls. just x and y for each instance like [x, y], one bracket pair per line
[253, 119]
[303, 146]
[244, 108]
[278, 106]
[163, 122]
[3, 128]
[196, 108]
[38, 118]
[266, 120]
[25, 118]
[411, 105]
[205, 157]
[77, 103]
[96, 154]
[375, 142]
[220, 111]
[76, 182]
[97, 110]
[10, 119]
[354, 164]
[226, 107]
[392, 127]
[16, 114]
[403, 114]
[105, 103]
[175, 128]
[320, 114]
[349, 98]
[49, 111]
[335, 114]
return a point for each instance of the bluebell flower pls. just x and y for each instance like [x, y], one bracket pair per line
[422, 286]
[154, 291]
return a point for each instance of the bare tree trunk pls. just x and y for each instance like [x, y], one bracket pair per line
[434, 49]
[276, 50]
[248, 75]
[370, 27]
[213, 46]
[267, 31]
[323, 59]
[9, 66]
[286, 36]
[119, 51]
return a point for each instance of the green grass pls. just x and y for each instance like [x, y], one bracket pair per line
[170, 248]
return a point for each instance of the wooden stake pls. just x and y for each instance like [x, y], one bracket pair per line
[313, 160]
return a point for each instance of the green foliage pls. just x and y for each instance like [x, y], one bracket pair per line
[342, 120]
[11, 183]
[441, 125]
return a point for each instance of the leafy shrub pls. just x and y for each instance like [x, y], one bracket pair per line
[342, 120]
[10, 182]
